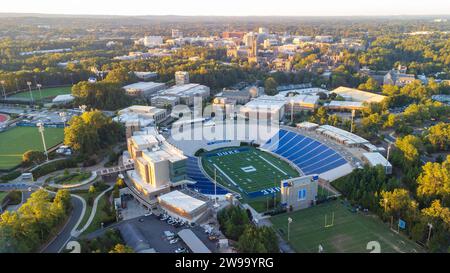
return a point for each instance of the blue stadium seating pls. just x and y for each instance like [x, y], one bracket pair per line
[203, 185]
[311, 156]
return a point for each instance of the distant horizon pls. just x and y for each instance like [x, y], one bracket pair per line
[229, 8]
[212, 15]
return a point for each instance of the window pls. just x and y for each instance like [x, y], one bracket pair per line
[302, 194]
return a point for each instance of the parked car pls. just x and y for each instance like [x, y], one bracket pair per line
[173, 241]
[181, 250]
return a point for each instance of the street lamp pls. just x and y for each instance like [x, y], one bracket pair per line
[39, 87]
[31, 94]
[289, 227]
[2, 82]
[41, 130]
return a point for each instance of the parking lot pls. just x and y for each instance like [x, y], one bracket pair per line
[153, 230]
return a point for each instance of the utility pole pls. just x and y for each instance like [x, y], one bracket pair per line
[3, 86]
[41, 130]
[387, 157]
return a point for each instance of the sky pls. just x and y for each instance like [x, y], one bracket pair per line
[230, 7]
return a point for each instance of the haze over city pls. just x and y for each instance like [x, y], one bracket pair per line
[231, 8]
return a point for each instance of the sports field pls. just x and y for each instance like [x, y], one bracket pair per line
[247, 169]
[16, 141]
[46, 93]
[350, 232]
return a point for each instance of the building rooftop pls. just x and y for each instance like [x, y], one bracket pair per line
[375, 158]
[193, 242]
[358, 95]
[143, 85]
[340, 134]
[189, 89]
[181, 201]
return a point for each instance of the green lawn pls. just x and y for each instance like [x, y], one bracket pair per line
[16, 141]
[252, 170]
[46, 93]
[350, 233]
[100, 214]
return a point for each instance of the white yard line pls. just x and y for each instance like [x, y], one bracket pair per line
[272, 164]
[229, 178]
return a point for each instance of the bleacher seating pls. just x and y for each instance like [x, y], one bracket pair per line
[311, 156]
[204, 184]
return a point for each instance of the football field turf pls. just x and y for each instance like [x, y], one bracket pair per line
[46, 93]
[16, 141]
[350, 232]
[247, 169]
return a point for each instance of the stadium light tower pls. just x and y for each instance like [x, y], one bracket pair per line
[29, 88]
[3, 87]
[289, 227]
[41, 130]
[430, 226]
[63, 117]
[39, 87]
[292, 111]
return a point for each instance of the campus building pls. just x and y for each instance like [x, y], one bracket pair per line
[187, 92]
[299, 192]
[352, 94]
[144, 89]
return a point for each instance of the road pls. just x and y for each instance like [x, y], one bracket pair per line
[65, 234]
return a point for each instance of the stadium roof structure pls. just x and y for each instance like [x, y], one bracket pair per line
[342, 135]
[358, 95]
[193, 242]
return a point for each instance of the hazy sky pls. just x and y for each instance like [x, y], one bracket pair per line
[230, 7]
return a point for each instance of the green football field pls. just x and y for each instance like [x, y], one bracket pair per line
[46, 93]
[351, 231]
[246, 171]
[16, 141]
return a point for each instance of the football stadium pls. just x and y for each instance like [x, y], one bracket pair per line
[257, 169]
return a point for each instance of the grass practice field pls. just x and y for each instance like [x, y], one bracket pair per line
[16, 141]
[350, 233]
[246, 169]
[46, 93]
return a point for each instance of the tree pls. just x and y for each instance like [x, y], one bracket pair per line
[92, 189]
[120, 248]
[409, 146]
[258, 240]
[119, 75]
[32, 157]
[398, 203]
[370, 85]
[434, 180]
[91, 131]
[439, 136]
[437, 211]
[101, 95]
[270, 86]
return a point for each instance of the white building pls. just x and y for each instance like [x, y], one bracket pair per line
[342, 136]
[152, 41]
[144, 89]
[376, 159]
[187, 92]
[264, 107]
[165, 101]
[299, 192]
